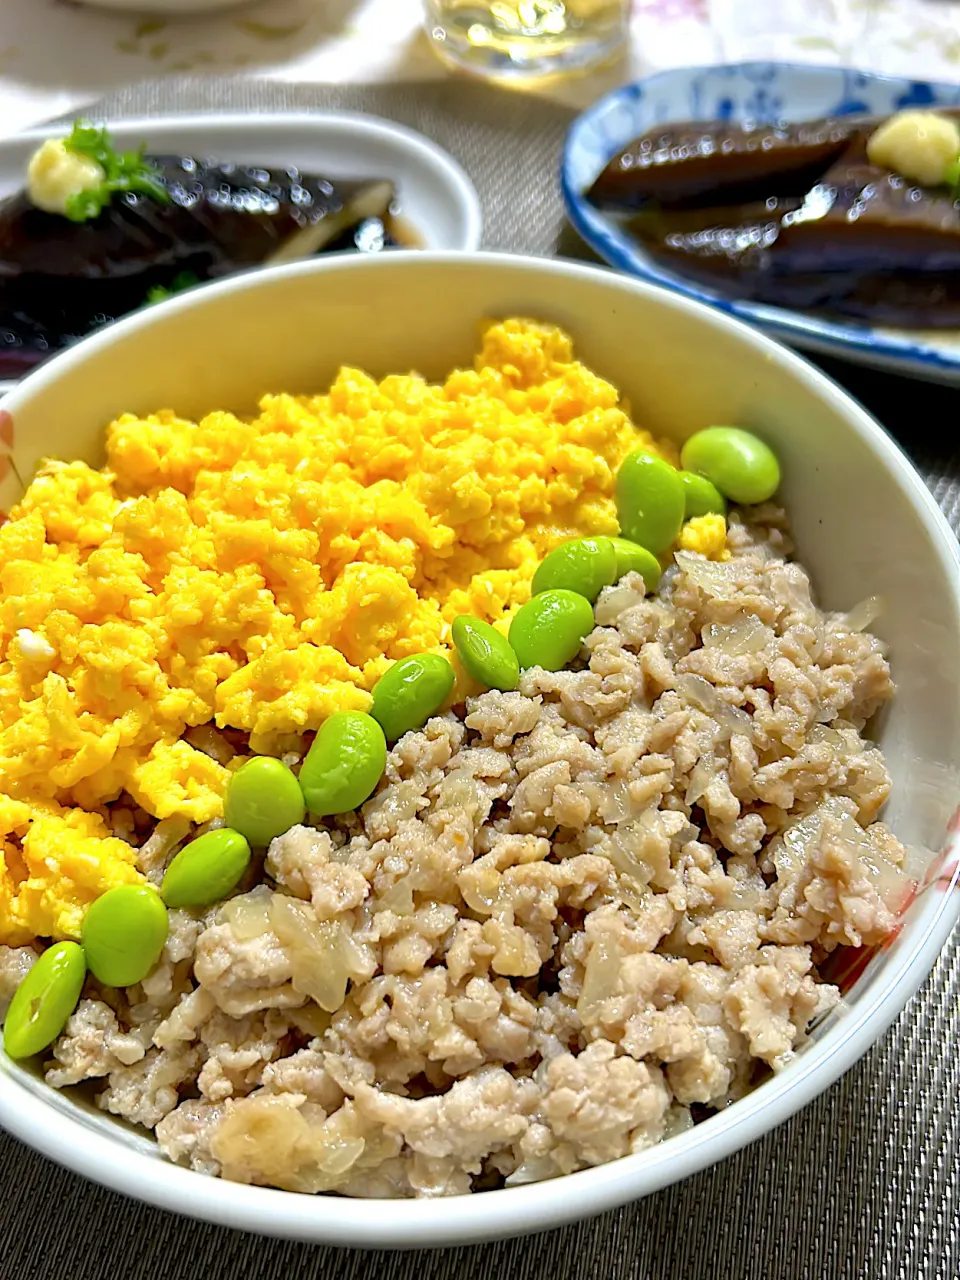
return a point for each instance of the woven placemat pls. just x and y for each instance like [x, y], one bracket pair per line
[862, 1185]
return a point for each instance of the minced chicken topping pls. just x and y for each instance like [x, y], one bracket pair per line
[573, 919]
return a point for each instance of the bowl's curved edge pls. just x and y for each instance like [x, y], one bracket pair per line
[862, 343]
[537, 1206]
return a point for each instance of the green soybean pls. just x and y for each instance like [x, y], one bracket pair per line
[632, 558]
[44, 1000]
[741, 466]
[410, 692]
[701, 497]
[548, 630]
[584, 565]
[650, 501]
[263, 800]
[206, 869]
[123, 934]
[485, 653]
[344, 763]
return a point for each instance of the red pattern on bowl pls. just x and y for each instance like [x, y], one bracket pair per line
[847, 964]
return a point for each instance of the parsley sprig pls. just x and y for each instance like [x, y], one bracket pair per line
[123, 171]
[183, 280]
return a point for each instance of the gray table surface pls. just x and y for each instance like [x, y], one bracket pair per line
[862, 1185]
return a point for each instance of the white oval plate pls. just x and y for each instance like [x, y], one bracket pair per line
[764, 91]
[434, 194]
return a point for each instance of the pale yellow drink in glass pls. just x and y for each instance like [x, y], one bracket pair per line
[527, 39]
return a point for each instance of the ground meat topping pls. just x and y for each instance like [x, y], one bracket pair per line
[569, 914]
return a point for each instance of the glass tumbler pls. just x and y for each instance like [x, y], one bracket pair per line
[523, 40]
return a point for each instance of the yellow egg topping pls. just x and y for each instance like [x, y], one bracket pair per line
[707, 535]
[262, 575]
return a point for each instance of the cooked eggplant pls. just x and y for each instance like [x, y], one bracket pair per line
[61, 279]
[858, 240]
[225, 217]
[714, 244]
[716, 162]
[860, 219]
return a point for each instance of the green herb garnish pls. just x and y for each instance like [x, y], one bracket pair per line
[123, 171]
[160, 292]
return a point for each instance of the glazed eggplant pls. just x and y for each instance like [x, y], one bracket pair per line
[222, 217]
[61, 279]
[714, 244]
[859, 240]
[860, 218]
[715, 162]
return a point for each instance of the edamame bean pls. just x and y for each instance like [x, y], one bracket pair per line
[263, 800]
[547, 631]
[584, 565]
[701, 498]
[410, 692]
[123, 934]
[632, 558]
[650, 501]
[741, 466]
[344, 764]
[485, 653]
[206, 869]
[44, 1000]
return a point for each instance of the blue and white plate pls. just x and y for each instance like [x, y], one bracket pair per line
[764, 91]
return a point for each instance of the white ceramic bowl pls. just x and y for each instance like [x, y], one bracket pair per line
[865, 524]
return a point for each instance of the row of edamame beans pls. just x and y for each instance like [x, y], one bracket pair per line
[125, 929]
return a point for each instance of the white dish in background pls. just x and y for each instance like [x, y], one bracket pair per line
[680, 364]
[435, 196]
[764, 92]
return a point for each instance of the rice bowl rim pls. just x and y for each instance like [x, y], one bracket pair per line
[114, 1155]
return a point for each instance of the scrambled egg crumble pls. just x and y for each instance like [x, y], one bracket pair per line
[262, 575]
[706, 534]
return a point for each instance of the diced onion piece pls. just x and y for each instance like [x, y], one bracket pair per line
[249, 914]
[677, 1120]
[320, 954]
[716, 577]
[397, 897]
[743, 636]
[704, 772]
[863, 615]
[705, 697]
[617, 849]
[539, 1169]
[793, 849]
[600, 976]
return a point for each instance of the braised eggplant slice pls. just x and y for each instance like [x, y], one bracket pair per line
[717, 162]
[61, 279]
[715, 245]
[229, 216]
[860, 219]
[720, 204]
